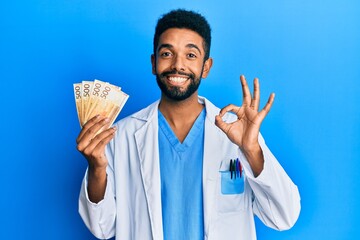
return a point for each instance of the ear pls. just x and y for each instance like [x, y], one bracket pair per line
[207, 66]
[153, 64]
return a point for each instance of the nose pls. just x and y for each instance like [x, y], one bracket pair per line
[178, 64]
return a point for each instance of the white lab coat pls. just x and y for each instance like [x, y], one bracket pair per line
[131, 208]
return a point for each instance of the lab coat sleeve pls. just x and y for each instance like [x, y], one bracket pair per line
[99, 217]
[276, 198]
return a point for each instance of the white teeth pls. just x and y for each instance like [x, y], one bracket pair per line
[177, 79]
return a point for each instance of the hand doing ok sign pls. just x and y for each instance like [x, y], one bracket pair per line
[244, 131]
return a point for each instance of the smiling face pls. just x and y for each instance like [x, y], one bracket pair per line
[179, 63]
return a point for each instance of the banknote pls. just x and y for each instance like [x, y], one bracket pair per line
[86, 87]
[98, 98]
[77, 94]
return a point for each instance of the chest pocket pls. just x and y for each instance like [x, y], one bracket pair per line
[230, 192]
[231, 183]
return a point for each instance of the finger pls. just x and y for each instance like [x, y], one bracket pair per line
[99, 142]
[88, 125]
[267, 107]
[256, 100]
[90, 129]
[229, 108]
[91, 132]
[246, 91]
[221, 124]
[99, 150]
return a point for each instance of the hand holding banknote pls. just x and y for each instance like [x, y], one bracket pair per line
[98, 104]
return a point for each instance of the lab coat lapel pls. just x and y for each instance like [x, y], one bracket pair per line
[211, 164]
[147, 146]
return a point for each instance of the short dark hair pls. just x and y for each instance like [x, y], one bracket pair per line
[181, 18]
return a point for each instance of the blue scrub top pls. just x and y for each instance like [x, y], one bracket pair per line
[181, 180]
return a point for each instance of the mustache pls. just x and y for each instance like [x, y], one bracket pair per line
[165, 74]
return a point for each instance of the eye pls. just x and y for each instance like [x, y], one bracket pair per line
[165, 54]
[191, 55]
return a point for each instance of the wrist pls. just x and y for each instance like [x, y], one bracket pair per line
[255, 158]
[251, 150]
[97, 179]
[96, 172]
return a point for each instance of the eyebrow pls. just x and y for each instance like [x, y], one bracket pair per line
[169, 46]
[191, 45]
[164, 45]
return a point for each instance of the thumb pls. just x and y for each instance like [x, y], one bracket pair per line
[221, 124]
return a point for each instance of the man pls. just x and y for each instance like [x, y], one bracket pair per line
[182, 168]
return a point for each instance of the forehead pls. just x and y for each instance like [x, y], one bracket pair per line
[181, 37]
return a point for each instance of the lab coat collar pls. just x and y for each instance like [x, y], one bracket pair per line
[149, 112]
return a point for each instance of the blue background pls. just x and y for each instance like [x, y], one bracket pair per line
[307, 52]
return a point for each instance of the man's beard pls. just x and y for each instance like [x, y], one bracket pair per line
[175, 93]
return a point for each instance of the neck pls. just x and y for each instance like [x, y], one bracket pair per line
[181, 115]
[177, 111]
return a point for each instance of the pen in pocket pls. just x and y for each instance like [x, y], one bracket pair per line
[235, 168]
